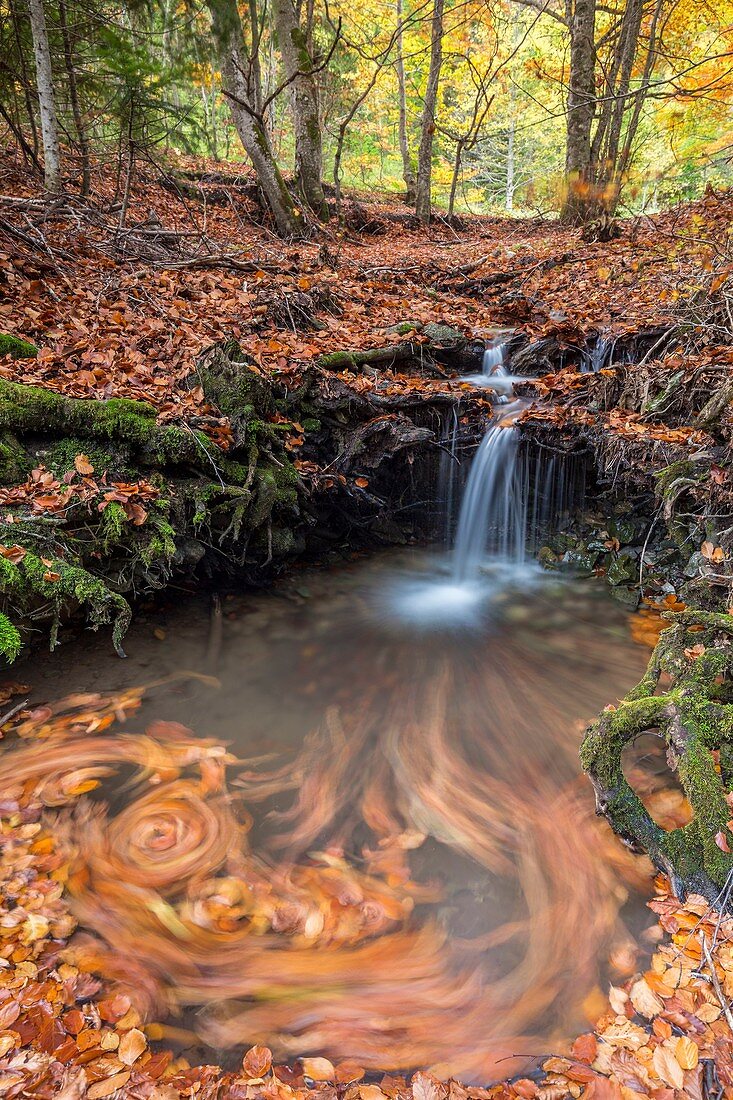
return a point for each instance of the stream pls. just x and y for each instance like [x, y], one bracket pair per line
[423, 782]
[346, 815]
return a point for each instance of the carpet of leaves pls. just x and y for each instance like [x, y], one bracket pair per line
[70, 1033]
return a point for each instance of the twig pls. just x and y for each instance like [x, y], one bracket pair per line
[715, 981]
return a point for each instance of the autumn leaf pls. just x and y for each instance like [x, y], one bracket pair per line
[318, 1069]
[667, 1067]
[83, 466]
[257, 1063]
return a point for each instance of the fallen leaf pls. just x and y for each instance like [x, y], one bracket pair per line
[257, 1062]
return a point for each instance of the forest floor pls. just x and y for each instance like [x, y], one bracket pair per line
[123, 303]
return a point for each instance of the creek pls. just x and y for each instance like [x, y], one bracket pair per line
[396, 858]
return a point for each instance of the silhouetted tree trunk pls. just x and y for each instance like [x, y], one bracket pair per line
[299, 70]
[46, 104]
[408, 169]
[227, 31]
[423, 199]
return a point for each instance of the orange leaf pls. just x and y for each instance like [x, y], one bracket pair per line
[83, 466]
[257, 1062]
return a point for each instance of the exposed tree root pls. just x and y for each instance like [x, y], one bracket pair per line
[686, 697]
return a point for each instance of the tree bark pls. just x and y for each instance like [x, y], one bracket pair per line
[81, 133]
[299, 70]
[580, 110]
[425, 152]
[46, 104]
[227, 31]
[408, 169]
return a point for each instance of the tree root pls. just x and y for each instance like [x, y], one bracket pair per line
[694, 714]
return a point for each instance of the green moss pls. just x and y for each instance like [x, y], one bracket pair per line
[61, 455]
[10, 642]
[33, 409]
[17, 348]
[14, 462]
[114, 520]
[694, 718]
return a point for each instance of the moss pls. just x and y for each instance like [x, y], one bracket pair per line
[60, 457]
[694, 718]
[14, 462]
[310, 424]
[33, 409]
[17, 348]
[161, 545]
[10, 642]
[114, 519]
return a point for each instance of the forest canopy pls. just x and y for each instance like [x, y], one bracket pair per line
[526, 106]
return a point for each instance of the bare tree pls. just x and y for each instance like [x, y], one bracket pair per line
[46, 103]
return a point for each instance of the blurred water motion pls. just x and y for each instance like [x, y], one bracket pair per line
[394, 859]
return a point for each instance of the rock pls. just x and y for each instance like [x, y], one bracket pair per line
[444, 336]
[622, 570]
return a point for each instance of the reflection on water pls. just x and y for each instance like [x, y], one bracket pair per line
[397, 861]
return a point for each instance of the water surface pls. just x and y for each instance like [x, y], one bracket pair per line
[407, 869]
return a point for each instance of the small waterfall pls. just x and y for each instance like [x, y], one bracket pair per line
[600, 355]
[493, 515]
[493, 361]
[449, 473]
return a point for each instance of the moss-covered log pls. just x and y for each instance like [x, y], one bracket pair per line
[686, 696]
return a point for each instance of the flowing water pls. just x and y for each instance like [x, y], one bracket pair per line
[395, 858]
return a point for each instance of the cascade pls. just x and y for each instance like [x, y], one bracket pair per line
[493, 514]
[600, 355]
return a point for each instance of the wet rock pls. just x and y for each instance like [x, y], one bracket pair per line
[622, 569]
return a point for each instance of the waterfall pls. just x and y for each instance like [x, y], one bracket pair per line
[600, 355]
[493, 514]
[448, 472]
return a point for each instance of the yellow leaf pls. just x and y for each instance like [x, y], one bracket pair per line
[667, 1067]
[687, 1052]
[132, 1045]
[318, 1069]
[644, 1000]
[83, 466]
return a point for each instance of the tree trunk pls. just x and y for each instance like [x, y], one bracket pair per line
[456, 173]
[46, 105]
[298, 62]
[408, 169]
[580, 111]
[74, 98]
[255, 81]
[425, 152]
[26, 82]
[227, 31]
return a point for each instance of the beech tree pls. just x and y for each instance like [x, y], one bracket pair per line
[300, 73]
[423, 192]
[229, 38]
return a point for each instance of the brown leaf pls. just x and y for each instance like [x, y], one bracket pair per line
[257, 1062]
[83, 466]
[108, 1086]
[584, 1048]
